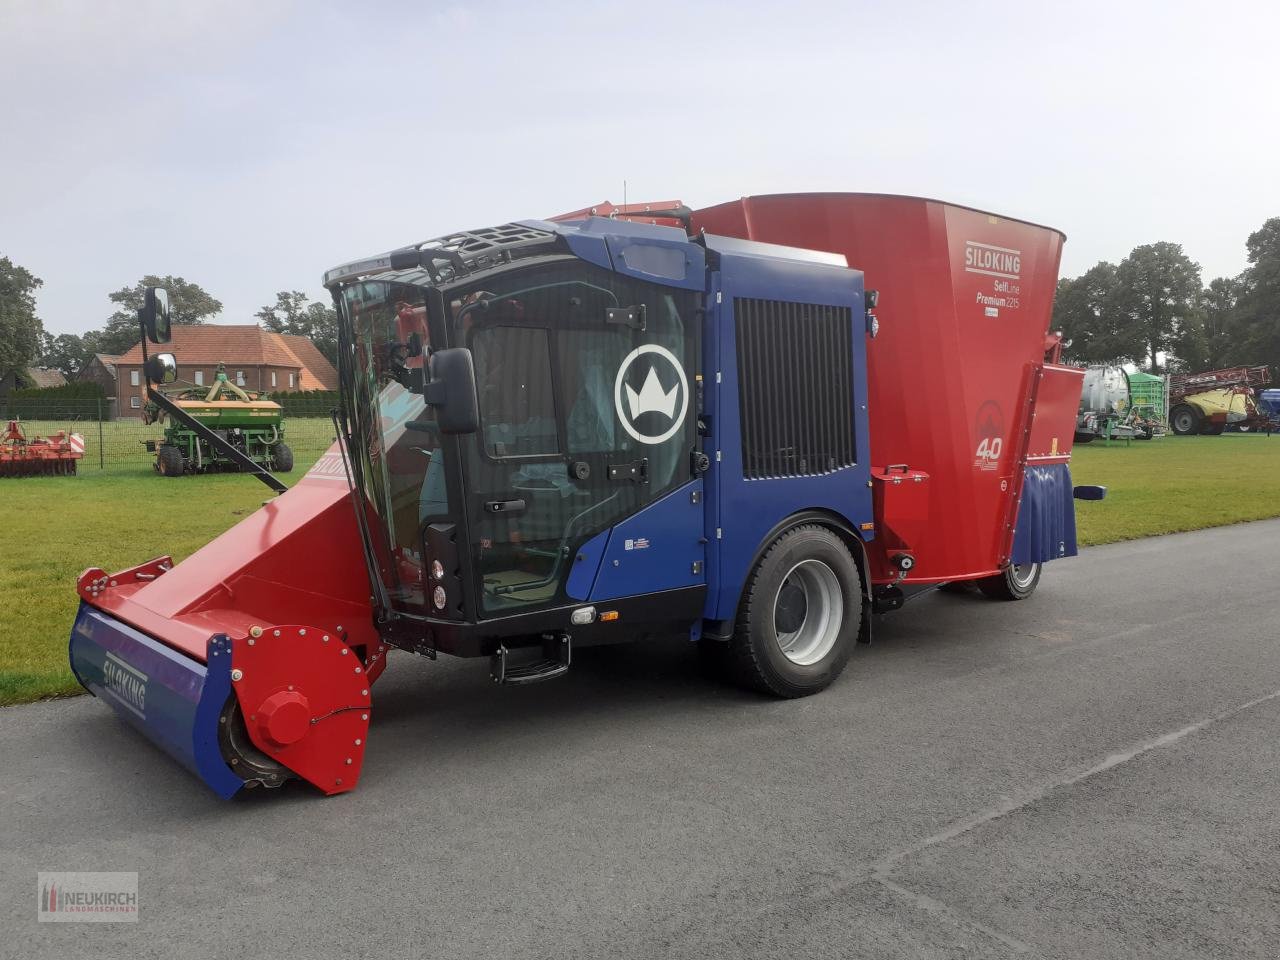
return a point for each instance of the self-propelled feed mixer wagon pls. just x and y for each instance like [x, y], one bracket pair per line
[756, 424]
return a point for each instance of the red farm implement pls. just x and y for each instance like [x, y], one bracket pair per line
[755, 425]
[55, 455]
[1210, 401]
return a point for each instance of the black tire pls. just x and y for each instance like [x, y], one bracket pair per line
[1184, 420]
[281, 458]
[1085, 437]
[169, 461]
[823, 601]
[1014, 584]
[1213, 429]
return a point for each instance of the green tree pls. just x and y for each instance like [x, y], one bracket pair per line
[1219, 306]
[1085, 311]
[65, 352]
[20, 328]
[1257, 335]
[1158, 291]
[292, 314]
[189, 303]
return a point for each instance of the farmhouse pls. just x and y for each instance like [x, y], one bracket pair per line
[101, 369]
[255, 359]
[29, 377]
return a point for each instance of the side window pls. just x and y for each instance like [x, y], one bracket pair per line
[514, 383]
[199, 378]
[239, 378]
[135, 378]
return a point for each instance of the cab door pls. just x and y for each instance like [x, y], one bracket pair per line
[584, 379]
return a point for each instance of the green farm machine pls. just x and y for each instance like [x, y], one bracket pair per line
[250, 423]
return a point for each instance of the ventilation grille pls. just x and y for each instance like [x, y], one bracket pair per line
[795, 388]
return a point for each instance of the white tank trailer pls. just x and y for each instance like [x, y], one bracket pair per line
[1106, 409]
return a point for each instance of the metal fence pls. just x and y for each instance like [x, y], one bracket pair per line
[120, 445]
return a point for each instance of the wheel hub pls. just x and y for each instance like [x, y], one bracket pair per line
[807, 612]
[791, 609]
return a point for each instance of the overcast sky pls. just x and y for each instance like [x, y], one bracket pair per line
[250, 146]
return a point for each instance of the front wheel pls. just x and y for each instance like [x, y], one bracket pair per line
[800, 614]
[169, 461]
[1017, 582]
[281, 458]
[1184, 420]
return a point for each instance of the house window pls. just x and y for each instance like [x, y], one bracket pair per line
[135, 402]
[199, 378]
[239, 378]
[273, 378]
[291, 381]
[135, 378]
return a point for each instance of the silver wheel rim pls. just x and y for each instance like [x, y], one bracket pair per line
[808, 610]
[1023, 574]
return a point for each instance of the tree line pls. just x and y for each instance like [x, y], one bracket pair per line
[1153, 309]
[25, 343]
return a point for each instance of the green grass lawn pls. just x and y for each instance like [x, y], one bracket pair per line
[55, 527]
[1176, 484]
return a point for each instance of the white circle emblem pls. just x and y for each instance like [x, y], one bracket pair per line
[656, 395]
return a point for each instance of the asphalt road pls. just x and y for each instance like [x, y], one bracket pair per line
[1091, 773]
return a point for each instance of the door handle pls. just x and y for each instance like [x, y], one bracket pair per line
[504, 506]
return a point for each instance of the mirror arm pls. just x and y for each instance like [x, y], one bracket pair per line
[199, 429]
[435, 393]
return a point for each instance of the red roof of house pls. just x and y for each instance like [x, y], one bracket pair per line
[44, 377]
[317, 372]
[248, 345]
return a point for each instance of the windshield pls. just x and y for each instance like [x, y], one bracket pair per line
[399, 455]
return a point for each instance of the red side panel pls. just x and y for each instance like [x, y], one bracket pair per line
[965, 304]
[1054, 426]
[298, 559]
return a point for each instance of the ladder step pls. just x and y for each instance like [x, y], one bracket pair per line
[553, 663]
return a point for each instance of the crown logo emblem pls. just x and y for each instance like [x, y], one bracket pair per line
[652, 398]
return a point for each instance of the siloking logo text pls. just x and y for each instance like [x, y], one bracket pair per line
[80, 897]
[1004, 265]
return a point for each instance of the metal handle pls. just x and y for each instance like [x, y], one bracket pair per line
[504, 506]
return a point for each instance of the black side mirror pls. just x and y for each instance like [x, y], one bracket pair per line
[162, 368]
[452, 391]
[155, 315]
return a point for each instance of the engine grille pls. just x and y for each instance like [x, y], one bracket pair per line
[795, 388]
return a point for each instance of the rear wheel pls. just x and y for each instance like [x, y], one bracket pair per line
[169, 461]
[281, 458]
[1184, 420]
[800, 614]
[1017, 582]
[1213, 429]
